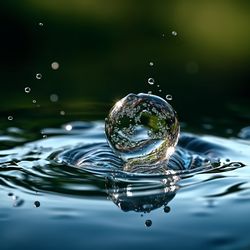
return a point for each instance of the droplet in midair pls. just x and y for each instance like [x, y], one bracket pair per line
[37, 204]
[169, 97]
[10, 118]
[68, 127]
[55, 65]
[148, 223]
[62, 112]
[151, 81]
[142, 129]
[40, 24]
[53, 97]
[27, 89]
[174, 33]
[39, 76]
[34, 101]
[151, 64]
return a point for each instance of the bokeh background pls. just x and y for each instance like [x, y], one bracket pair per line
[104, 49]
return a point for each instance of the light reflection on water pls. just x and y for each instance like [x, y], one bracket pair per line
[211, 205]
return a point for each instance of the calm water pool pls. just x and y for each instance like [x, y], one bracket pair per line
[61, 188]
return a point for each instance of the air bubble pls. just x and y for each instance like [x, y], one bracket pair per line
[151, 81]
[54, 98]
[169, 97]
[39, 76]
[174, 33]
[142, 129]
[55, 65]
[27, 89]
[10, 118]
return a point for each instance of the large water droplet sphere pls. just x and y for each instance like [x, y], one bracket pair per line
[142, 129]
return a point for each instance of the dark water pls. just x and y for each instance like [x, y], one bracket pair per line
[65, 189]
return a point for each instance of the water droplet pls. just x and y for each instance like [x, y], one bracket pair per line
[169, 97]
[37, 204]
[40, 24]
[10, 118]
[151, 64]
[142, 129]
[174, 33]
[150, 92]
[68, 127]
[53, 98]
[227, 160]
[151, 81]
[34, 101]
[148, 223]
[167, 209]
[10, 194]
[160, 90]
[44, 136]
[62, 112]
[39, 76]
[55, 65]
[27, 89]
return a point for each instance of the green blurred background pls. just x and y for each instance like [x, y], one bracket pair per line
[104, 49]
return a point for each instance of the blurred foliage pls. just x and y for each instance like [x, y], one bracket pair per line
[104, 50]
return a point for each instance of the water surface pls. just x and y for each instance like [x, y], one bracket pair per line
[63, 188]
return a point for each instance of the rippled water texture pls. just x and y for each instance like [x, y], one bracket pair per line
[68, 190]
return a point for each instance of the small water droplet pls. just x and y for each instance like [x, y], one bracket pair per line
[151, 64]
[10, 118]
[68, 127]
[37, 204]
[53, 97]
[158, 86]
[151, 81]
[27, 89]
[34, 101]
[148, 223]
[227, 160]
[39, 76]
[62, 112]
[160, 90]
[167, 209]
[163, 35]
[150, 92]
[169, 97]
[40, 24]
[55, 65]
[10, 194]
[44, 136]
[174, 33]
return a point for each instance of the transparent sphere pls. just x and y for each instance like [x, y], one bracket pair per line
[142, 129]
